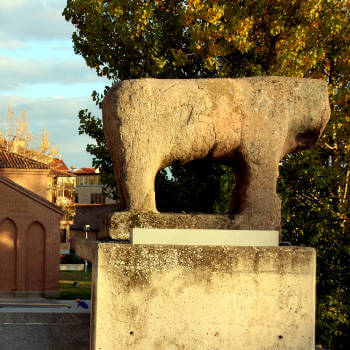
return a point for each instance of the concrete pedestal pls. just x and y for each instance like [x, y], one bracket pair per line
[167, 297]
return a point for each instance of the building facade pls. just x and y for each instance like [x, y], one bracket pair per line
[26, 172]
[89, 220]
[89, 187]
[62, 192]
[29, 242]
[29, 228]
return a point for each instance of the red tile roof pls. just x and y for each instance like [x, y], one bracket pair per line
[16, 161]
[59, 168]
[58, 164]
[83, 171]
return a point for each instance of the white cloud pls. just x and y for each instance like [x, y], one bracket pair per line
[37, 55]
[8, 5]
[17, 73]
[35, 19]
[36, 61]
[59, 117]
[6, 43]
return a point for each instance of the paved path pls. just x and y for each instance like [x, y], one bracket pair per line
[47, 305]
[43, 327]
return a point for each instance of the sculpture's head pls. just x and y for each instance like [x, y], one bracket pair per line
[307, 139]
[316, 116]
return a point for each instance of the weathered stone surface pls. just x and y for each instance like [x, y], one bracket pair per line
[196, 297]
[252, 122]
[120, 224]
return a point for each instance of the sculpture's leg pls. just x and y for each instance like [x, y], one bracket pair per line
[136, 183]
[121, 188]
[255, 203]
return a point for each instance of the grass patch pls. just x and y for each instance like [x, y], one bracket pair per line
[81, 290]
[76, 275]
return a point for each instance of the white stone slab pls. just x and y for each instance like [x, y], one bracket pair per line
[72, 267]
[204, 237]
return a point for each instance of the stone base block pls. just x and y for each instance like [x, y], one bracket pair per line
[119, 225]
[160, 297]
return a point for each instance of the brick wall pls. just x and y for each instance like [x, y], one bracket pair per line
[29, 243]
[35, 180]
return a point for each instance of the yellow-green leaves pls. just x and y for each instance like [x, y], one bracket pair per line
[136, 38]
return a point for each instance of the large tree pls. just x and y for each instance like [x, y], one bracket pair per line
[123, 39]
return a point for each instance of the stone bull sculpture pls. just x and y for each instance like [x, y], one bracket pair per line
[250, 122]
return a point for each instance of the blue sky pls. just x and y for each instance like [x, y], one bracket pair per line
[40, 73]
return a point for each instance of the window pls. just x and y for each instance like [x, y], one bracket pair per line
[88, 180]
[80, 180]
[97, 198]
[63, 235]
[91, 180]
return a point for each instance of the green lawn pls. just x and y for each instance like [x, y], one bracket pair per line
[81, 290]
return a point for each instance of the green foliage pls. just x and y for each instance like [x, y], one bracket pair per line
[315, 213]
[132, 39]
[92, 126]
[123, 39]
[194, 187]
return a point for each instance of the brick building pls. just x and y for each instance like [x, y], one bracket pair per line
[29, 242]
[92, 215]
[29, 229]
[26, 172]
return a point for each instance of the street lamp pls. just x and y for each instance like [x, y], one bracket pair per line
[86, 229]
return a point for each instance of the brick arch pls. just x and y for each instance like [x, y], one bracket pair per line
[34, 245]
[8, 239]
